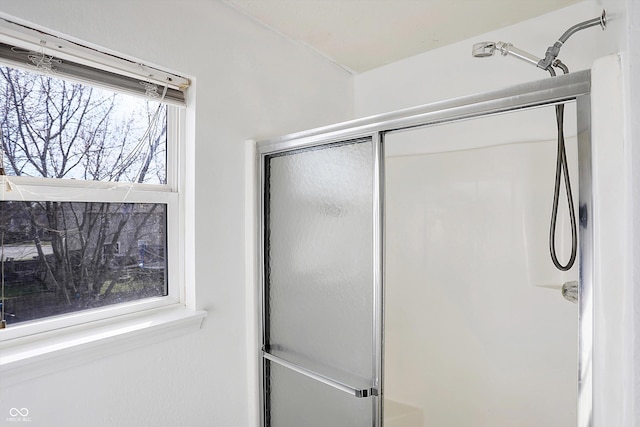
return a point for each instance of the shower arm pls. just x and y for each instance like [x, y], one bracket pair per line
[554, 50]
[509, 49]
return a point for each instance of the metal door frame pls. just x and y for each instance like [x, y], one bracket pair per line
[574, 86]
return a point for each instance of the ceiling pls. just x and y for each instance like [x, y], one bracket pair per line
[360, 35]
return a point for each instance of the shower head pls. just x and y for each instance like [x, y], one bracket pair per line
[484, 49]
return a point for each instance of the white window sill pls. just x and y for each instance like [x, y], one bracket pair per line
[31, 357]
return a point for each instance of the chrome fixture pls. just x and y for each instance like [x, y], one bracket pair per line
[570, 291]
[550, 60]
[484, 49]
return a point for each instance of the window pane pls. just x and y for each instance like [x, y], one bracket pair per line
[59, 129]
[61, 257]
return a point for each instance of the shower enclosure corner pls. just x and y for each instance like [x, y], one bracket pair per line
[323, 280]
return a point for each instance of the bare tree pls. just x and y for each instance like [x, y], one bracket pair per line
[53, 128]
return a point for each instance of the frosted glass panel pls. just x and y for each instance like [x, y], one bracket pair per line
[320, 259]
[297, 401]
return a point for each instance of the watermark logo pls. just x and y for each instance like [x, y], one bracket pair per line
[18, 415]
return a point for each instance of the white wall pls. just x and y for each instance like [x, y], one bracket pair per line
[629, 44]
[249, 83]
[451, 71]
[633, 126]
[620, 327]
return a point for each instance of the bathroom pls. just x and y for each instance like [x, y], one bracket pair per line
[253, 84]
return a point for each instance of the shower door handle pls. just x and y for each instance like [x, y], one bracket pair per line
[354, 391]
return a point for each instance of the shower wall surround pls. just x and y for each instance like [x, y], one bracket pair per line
[476, 330]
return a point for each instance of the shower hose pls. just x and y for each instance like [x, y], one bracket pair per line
[562, 171]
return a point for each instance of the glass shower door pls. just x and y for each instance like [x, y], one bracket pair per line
[321, 349]
[321, 269]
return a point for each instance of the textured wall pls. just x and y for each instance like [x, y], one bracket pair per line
[249, 83]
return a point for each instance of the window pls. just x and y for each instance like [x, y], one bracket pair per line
[56, 261]
[90, 189]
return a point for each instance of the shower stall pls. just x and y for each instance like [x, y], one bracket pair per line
[405, 272]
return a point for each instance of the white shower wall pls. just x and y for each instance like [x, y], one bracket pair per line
[472, 334]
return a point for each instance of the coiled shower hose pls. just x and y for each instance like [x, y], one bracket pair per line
[562, 171]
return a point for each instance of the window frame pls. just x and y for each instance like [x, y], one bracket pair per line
[154, 311]
[52, 189]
